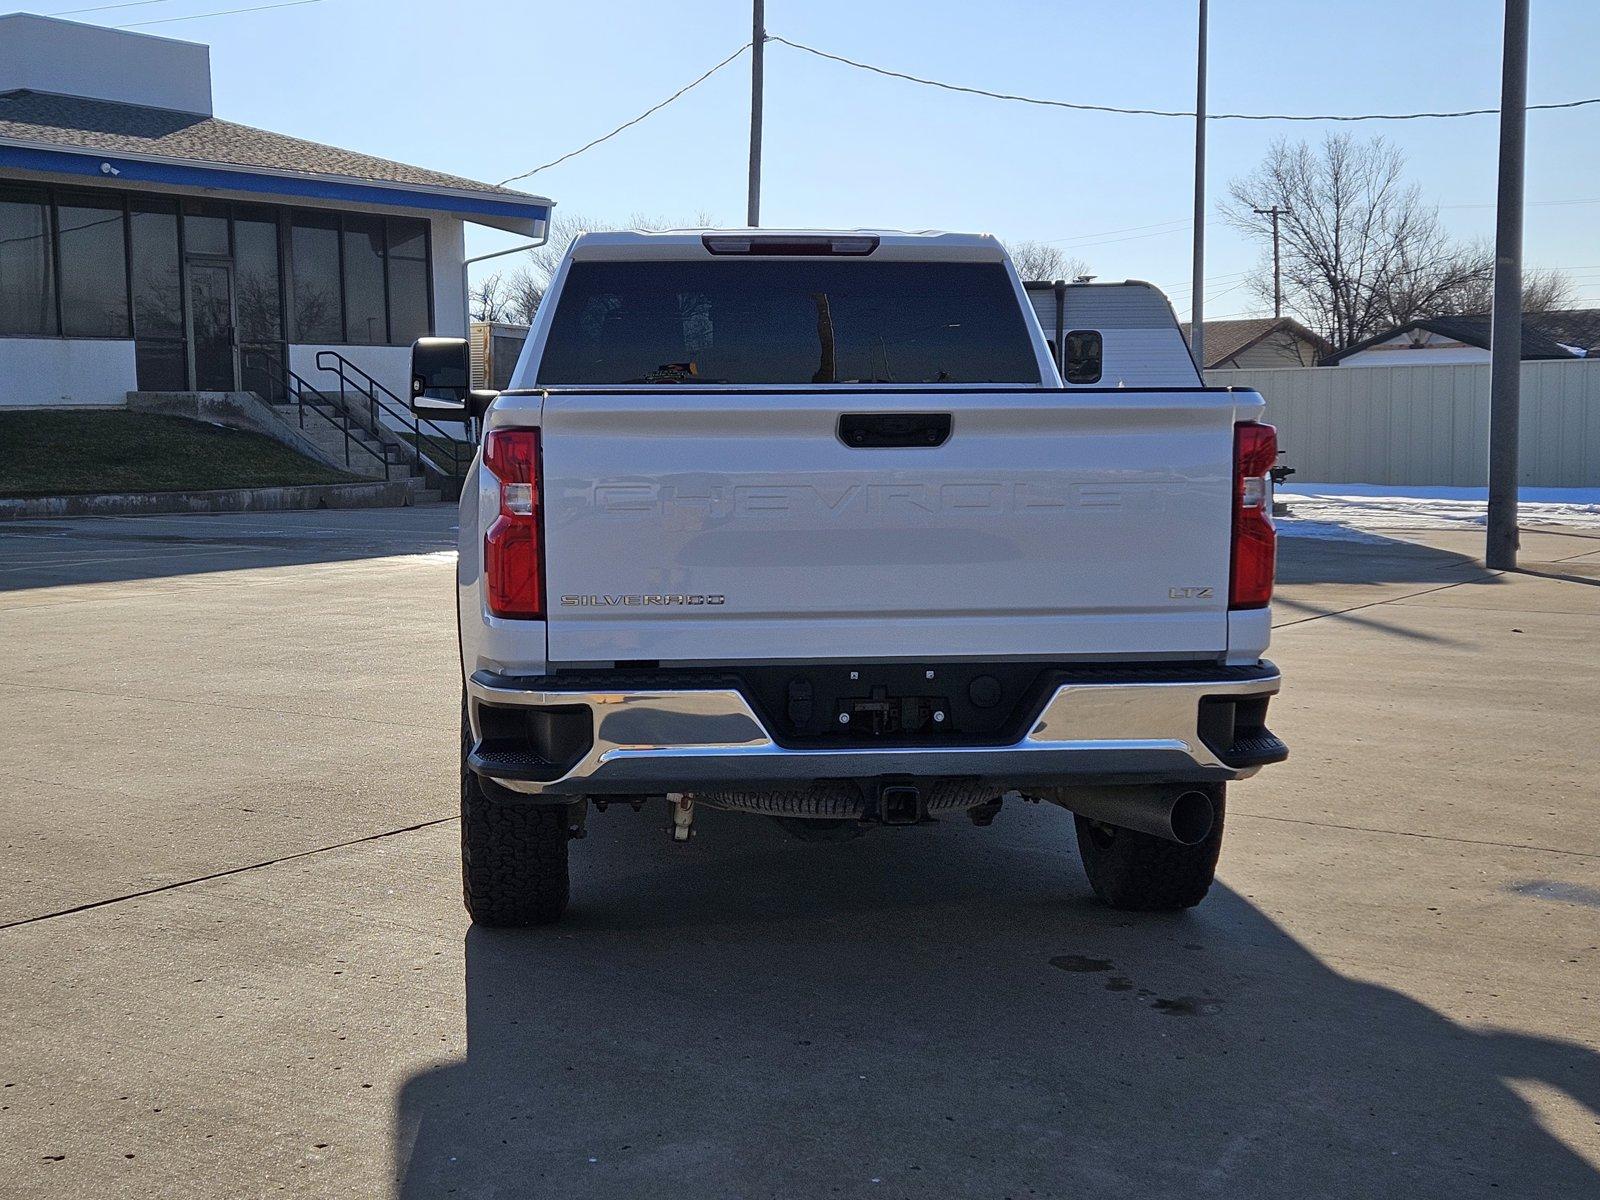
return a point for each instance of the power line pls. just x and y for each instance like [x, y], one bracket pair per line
[626, 124]
[1162, 112]
[69, 12]
[1079, 237]
[227, 12]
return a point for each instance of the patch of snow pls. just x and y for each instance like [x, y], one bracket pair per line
[1327, 531]
[1365, 506]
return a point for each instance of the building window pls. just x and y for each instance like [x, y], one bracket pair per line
[93, 262]
[255, 264]
[314, 263]
[409, 309]
[257, 276]
[103, 264]
[205, 227]
[365, 311]
[27, 285]
[159, 349]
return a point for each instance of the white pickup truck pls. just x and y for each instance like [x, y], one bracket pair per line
[828, 527]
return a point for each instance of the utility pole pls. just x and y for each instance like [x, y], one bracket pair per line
[1505, 326]
[1277, 277]
[1197, 296]
[758, 45]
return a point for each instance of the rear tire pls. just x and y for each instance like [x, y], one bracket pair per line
[1140, 873]
[513, 853]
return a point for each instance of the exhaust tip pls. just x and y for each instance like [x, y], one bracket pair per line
[1191, 818]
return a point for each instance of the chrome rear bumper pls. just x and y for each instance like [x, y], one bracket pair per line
[687, 739]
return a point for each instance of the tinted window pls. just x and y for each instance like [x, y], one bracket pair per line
[27, 287]
[160, 366]
[1084, 353]
[255, 265]
[94, 269]
[157, 296]
[315, 265]
[205, 228]
[365, 321]
[798, 321]
[408, 280]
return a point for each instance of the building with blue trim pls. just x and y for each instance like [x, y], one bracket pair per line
[147, 245]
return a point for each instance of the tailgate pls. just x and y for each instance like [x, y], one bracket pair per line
[738, 526]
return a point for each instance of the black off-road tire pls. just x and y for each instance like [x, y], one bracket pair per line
[1140, 873]
[513, 853]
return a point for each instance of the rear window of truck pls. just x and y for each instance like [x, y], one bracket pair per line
[787, 322]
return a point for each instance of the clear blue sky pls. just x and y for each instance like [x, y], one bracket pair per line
[489, 88]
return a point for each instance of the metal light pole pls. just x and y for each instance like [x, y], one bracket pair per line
[1505, 338]
[1197, 296]
[758, 45]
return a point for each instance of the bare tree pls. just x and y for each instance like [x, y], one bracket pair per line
[1468, 287]
[490, 299]
[1041, 260]
[526, 284]
[1361, 252]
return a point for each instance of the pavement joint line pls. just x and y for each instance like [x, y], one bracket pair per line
[183, 883]
[1434, 837]
[282, 712]
[1377, 603]
[1509, 612]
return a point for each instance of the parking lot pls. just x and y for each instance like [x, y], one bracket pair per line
[233, 958]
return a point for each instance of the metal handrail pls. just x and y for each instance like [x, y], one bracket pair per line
[296, 389]
[441, 445]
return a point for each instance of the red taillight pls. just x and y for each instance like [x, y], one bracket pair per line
[1255, 541]
[513, 567]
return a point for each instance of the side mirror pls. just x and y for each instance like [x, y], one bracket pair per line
[441, 381]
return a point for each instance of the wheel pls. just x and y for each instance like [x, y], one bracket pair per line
[513, 853]
[1141, 873]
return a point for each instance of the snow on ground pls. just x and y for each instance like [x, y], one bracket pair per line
[1358, 511]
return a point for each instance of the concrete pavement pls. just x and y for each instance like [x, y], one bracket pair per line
[233, 960]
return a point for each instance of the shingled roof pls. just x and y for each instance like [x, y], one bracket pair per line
[1554, 334]
[1224, 339]
[107, 127]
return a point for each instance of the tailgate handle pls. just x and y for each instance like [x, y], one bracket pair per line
[867, 431]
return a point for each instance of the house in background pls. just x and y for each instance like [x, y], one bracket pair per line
[147, 245]
[1257, 342]
[1560, 334]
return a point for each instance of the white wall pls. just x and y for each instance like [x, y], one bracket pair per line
[389, 365]
[449, 287]
[1428, 425]
[75, 372]
[75, 59]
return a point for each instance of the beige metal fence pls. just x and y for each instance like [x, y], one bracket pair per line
[1428, 425]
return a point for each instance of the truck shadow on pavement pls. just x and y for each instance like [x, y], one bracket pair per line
[1374, 560]
[945, 1012]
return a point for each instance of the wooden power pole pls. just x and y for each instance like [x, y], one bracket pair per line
[1277, 268]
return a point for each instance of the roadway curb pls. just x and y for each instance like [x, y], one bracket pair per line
[393, 493]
